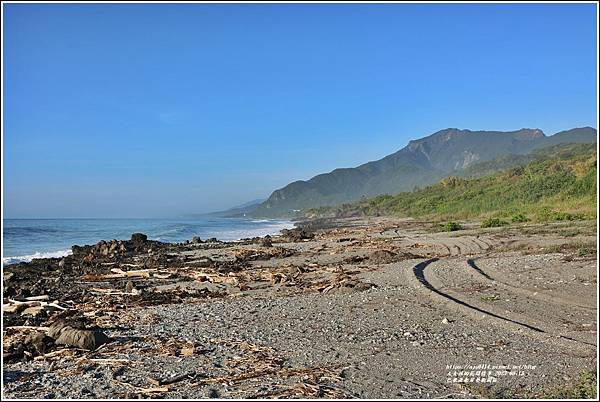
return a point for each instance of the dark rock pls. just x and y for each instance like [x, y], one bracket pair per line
[39, 342]
[78, 250]
[296, 234]
[139, 238]
[266, 241]
[196, 240]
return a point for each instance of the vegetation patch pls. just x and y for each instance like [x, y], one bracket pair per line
[519, 218]
[582, 249]
[493, 223]
[583, 387]
[555, 248]
[447, 227]
[547, 215]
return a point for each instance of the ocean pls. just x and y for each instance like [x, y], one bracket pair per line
[25, 239]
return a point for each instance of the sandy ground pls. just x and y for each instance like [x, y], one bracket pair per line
[378, 308]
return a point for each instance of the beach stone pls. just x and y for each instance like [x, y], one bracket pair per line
[196, 239]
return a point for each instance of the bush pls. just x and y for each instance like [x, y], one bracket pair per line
[519, 218]
[493, 223]
[582, 388]
[546, 215]
[584, 251]
[447, 227]
[452, 226]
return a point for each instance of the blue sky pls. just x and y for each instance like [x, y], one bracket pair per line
[157, 110]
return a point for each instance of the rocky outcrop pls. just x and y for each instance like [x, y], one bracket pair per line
[139, 242]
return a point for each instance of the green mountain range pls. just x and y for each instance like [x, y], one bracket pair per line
[552, 183]
[449, 152]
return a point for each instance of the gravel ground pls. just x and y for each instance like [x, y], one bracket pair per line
[392, 337]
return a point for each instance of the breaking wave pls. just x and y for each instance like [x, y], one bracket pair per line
[27, 258]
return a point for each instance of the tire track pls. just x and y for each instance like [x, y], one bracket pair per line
[526, 292]
[419, 272]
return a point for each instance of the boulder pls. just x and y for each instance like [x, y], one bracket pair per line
[139, 238]
[71, 334]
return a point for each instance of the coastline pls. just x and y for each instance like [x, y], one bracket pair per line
[335, 308]
[26, 239]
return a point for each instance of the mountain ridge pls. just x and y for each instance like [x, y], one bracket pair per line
[421, 162]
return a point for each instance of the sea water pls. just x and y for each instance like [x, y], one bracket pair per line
[25, 239]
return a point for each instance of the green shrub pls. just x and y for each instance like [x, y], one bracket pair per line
[583, 251]
[519, 218]
[493, 223]
[565, 216]
[447, 227]
[452, 226]
[583, 388]
[547, 215]
[555, 248]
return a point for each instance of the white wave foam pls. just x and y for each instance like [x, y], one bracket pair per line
[272, 229]
[28, 258]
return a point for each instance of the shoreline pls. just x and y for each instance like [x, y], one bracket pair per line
[37, 252]
[335, 308]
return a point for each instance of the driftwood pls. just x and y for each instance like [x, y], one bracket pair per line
[52, 354]
[118, 273]
[110, 292]
[37, 298]
[27, 328]
[172, 380]
[15, 306]
[213, 278]
[109, 361]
